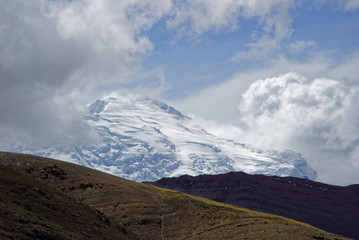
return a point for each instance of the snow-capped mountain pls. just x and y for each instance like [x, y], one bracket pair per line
[144, 139]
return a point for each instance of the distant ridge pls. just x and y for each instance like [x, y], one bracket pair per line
[332, 208]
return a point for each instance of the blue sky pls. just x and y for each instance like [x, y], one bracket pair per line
[299, 59]
[192, 63]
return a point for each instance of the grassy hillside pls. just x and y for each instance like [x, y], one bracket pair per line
[331, 208]
[48, 199]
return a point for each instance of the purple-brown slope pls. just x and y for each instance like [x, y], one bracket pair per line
[332, 208]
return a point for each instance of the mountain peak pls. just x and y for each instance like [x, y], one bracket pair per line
[168, 109]
[134, 102]
[143, 139]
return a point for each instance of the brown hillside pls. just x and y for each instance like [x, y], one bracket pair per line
[332, 208]
[48, 199]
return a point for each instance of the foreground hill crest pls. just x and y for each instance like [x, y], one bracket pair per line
[42, 198]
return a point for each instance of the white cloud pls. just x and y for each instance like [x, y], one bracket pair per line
[200, 16]
[227, 131]
[194, 18]
[111, 31]
[299, 47]
[352, 5]
[259, 50]
[315, 117]
[344, 5]
[278, 108]
[54, 55]
[277, 23]
[219, 102]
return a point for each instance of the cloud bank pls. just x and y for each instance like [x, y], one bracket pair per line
[56, 55]
[317, 117]
[322, 110]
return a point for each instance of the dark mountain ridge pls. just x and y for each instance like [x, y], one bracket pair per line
[332, 208]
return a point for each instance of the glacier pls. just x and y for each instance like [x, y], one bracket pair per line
[143, 139]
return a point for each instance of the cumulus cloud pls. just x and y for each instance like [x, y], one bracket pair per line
[325, 132]
[310, 116]
[290, 103]
[55, 54]
[110, 32]
[225, 97]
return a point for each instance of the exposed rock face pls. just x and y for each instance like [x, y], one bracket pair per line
[333, 208]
